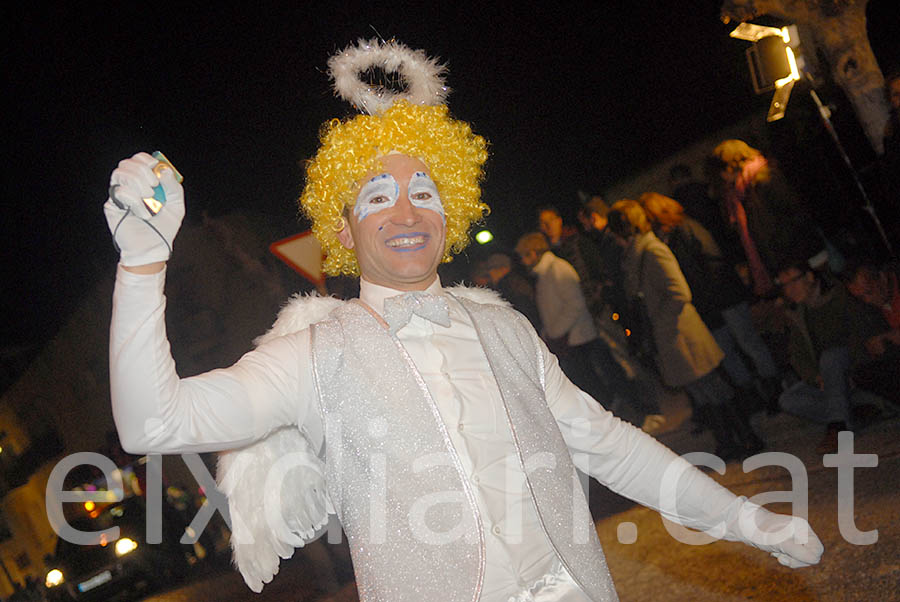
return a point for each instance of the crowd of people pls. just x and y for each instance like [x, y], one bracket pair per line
[663, 288]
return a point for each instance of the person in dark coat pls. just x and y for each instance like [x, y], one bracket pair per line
[765, 214]
[513, 286]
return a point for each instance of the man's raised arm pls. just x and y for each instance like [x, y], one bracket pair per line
[155, 410]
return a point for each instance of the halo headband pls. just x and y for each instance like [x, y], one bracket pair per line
[423, 76]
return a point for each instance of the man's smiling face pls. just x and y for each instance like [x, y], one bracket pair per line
[396, 225]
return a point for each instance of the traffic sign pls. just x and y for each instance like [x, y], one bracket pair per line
[303, 253]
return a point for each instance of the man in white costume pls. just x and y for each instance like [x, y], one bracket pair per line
[432, 421]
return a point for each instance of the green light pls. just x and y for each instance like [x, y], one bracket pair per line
[484, 237]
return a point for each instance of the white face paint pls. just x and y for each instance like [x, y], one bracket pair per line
[382, 192]
[379, 193]
[399, 247]
[423, 193]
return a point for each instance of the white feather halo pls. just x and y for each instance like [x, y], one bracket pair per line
[423, 76]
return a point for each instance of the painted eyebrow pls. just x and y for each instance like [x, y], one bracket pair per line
[418, 176]
[377, 180]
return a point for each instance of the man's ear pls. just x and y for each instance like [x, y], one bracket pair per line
[345, 236]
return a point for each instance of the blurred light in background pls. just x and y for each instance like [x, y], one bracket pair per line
[484, 236]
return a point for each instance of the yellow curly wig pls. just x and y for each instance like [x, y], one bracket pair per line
[350, 149]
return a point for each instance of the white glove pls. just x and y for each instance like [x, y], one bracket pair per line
[790, 539]
[140, 236]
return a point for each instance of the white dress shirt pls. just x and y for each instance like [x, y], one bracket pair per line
[519, 561]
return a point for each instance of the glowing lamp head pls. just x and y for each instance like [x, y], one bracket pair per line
[774, 62]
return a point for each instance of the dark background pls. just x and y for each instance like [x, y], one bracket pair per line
[571, 97]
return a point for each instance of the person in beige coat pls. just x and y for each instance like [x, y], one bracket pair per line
[686, 354]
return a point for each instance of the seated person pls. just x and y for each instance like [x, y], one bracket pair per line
[880, 289]
[824, 342]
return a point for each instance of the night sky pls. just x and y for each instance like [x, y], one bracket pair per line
[571, 97]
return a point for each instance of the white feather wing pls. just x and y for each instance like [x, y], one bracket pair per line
[276, 486]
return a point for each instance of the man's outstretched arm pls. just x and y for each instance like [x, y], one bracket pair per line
[637, 466]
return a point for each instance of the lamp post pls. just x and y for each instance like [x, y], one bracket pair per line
[776, 64]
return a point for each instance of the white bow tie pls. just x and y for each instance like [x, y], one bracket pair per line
[398, 310]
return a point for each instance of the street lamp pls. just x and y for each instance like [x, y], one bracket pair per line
[774, 64]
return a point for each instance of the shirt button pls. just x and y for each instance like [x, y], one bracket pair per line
[460, 427]
[495, 530]
[475, 479]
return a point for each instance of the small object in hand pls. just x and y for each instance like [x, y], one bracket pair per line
[155, 203]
